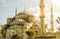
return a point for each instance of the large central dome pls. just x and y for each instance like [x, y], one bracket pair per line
[24, 14]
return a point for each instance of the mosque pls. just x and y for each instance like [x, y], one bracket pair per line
[25, 21]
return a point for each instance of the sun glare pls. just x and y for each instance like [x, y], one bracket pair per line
[56, 2]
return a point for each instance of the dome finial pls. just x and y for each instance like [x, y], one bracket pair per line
[16, 10]
[24, 9]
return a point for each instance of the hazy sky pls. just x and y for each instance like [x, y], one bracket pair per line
[7, 9]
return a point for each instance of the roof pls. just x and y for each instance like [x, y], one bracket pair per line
[25, 12]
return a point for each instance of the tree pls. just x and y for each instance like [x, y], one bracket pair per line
[58, 20]
[30, 34]
[3, 32]
[6, 26]
[36, 32]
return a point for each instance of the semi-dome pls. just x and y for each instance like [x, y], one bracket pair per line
[18, 22]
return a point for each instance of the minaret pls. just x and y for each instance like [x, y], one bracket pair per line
[16, 11]
[42, 16]
[52, 22]
[24, 9]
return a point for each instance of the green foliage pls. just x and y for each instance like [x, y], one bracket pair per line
[6, 26]
[0, 34]
[3, 32]
[30, 33]
[36, 31]
[58, 20]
